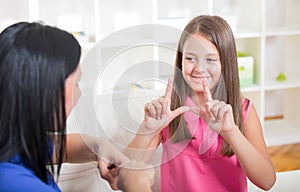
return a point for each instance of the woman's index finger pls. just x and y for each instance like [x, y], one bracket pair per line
[169, 88]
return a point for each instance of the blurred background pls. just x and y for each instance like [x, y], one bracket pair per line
[267, 36]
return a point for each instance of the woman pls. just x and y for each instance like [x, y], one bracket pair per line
[39, 74]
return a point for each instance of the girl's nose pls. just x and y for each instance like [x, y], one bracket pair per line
[201, 64]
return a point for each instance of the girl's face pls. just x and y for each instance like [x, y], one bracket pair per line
[72, 90]
[200, 62]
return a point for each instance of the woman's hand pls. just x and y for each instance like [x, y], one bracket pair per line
[108, 158]
[136, 176]
[132, 176]
[158, 113]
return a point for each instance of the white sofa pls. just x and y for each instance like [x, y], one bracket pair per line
[286, 182]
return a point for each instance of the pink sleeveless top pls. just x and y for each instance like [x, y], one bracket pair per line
[184, 169]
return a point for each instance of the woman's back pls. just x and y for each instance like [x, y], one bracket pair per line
[15, 176]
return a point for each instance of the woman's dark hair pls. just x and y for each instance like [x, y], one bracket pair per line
[218, 32]
[35, 60]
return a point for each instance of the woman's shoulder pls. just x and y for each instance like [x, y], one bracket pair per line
[16, 177]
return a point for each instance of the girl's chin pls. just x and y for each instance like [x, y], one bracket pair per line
[197, 89]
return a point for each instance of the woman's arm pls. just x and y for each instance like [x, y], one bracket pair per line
[133, 176]
[251, 151]
[79, 148]
[82, 148]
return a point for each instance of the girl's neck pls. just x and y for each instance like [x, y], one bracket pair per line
[197, 98]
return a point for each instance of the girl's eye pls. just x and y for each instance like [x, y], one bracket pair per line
[191, 59]
[211, 60]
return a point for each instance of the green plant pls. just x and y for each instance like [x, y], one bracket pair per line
[281, 77]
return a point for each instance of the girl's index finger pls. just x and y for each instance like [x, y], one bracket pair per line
[207, 93]
[169, 89]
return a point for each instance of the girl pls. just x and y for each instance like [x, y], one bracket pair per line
[211, 136]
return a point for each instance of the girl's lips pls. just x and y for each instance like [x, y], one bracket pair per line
[198, 77]
[197, 80]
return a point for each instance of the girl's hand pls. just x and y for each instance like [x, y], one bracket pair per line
[158, 113]
[217, 114]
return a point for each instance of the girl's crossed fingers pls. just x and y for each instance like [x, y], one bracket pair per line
[218, 109]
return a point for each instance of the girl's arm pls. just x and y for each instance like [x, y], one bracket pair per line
[249, 148]
[251, 151]
[143, 146]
